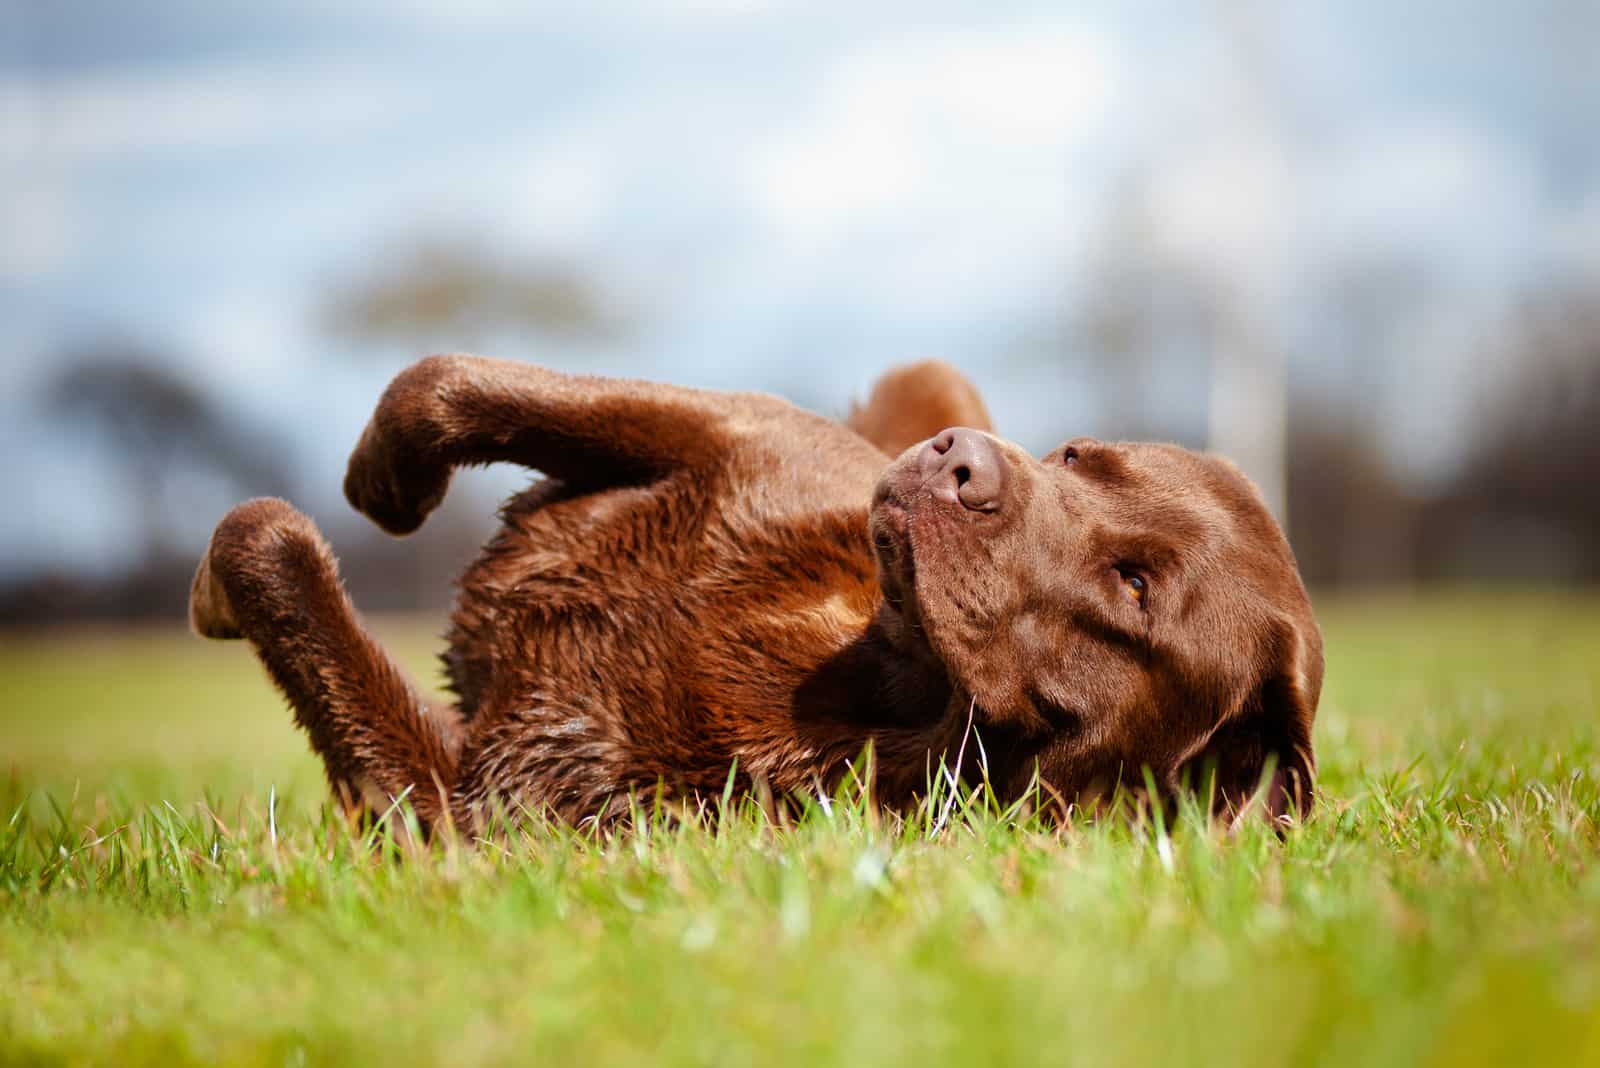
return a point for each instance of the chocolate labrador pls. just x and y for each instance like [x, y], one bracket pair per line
[712, 581]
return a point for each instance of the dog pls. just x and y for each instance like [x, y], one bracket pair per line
[709, 584]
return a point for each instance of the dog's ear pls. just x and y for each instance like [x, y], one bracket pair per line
[1260, 757]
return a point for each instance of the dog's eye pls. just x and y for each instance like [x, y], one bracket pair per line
[1133, 584]
[1069, 456]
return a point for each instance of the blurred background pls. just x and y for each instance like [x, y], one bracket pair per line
[1355, 245]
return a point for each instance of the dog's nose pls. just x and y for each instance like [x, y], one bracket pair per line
[962, 466]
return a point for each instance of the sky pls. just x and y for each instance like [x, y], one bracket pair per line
[782, 196]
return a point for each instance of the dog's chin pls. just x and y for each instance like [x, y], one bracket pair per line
[890, 525]
[921, 548]
[895, 505]
[910, 538]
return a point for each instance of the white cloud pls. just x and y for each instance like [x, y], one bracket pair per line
[1230, 206]
[1462, 199]
[1574, 237]
[921, 125]
[38, 233]
[132, 112]
[1258, 210]
[695, 8]
[563, 193]
[473, 16]
[244, 336]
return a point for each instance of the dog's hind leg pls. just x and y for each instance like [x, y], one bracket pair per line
[913, 402]
[269, 577]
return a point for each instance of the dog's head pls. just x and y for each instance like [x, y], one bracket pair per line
[1106, 609]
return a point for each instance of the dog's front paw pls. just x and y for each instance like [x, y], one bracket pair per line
[391, 486]
[237, 538]
[210, 612]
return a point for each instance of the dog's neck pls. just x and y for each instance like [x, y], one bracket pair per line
[884, 688]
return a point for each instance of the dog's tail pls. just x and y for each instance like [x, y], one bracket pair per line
[269, 577]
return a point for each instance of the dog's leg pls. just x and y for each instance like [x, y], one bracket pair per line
[912, 403]
[269, 577]
[448, 411]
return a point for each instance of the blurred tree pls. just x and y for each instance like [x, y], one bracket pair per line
[1354, 524]
[1567, 84]
[1356, 503]
[1119, 315]
[1525, 504]
[182, 460]
[164, 434]
[454, 294]
[1250, 361]
[1142, 317]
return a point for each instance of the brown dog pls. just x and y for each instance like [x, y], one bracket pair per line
[707, 578]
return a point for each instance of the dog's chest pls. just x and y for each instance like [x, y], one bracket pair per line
[663, 630]
[669, 598]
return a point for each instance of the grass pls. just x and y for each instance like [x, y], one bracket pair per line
[173, 889]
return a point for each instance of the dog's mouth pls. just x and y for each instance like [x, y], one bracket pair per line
[920, 519]
[896, 502]
[902, 524]
[916, 543]
[890, 525]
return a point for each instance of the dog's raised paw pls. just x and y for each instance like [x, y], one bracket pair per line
[389, 485]
[210, 613]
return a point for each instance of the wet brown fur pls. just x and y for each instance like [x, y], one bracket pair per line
[704, 578]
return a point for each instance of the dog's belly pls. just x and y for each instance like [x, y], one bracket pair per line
[570, 577]
[606, 642]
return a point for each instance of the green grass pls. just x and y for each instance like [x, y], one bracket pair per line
[173, 889]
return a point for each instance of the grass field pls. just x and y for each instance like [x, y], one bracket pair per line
[172, 890]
